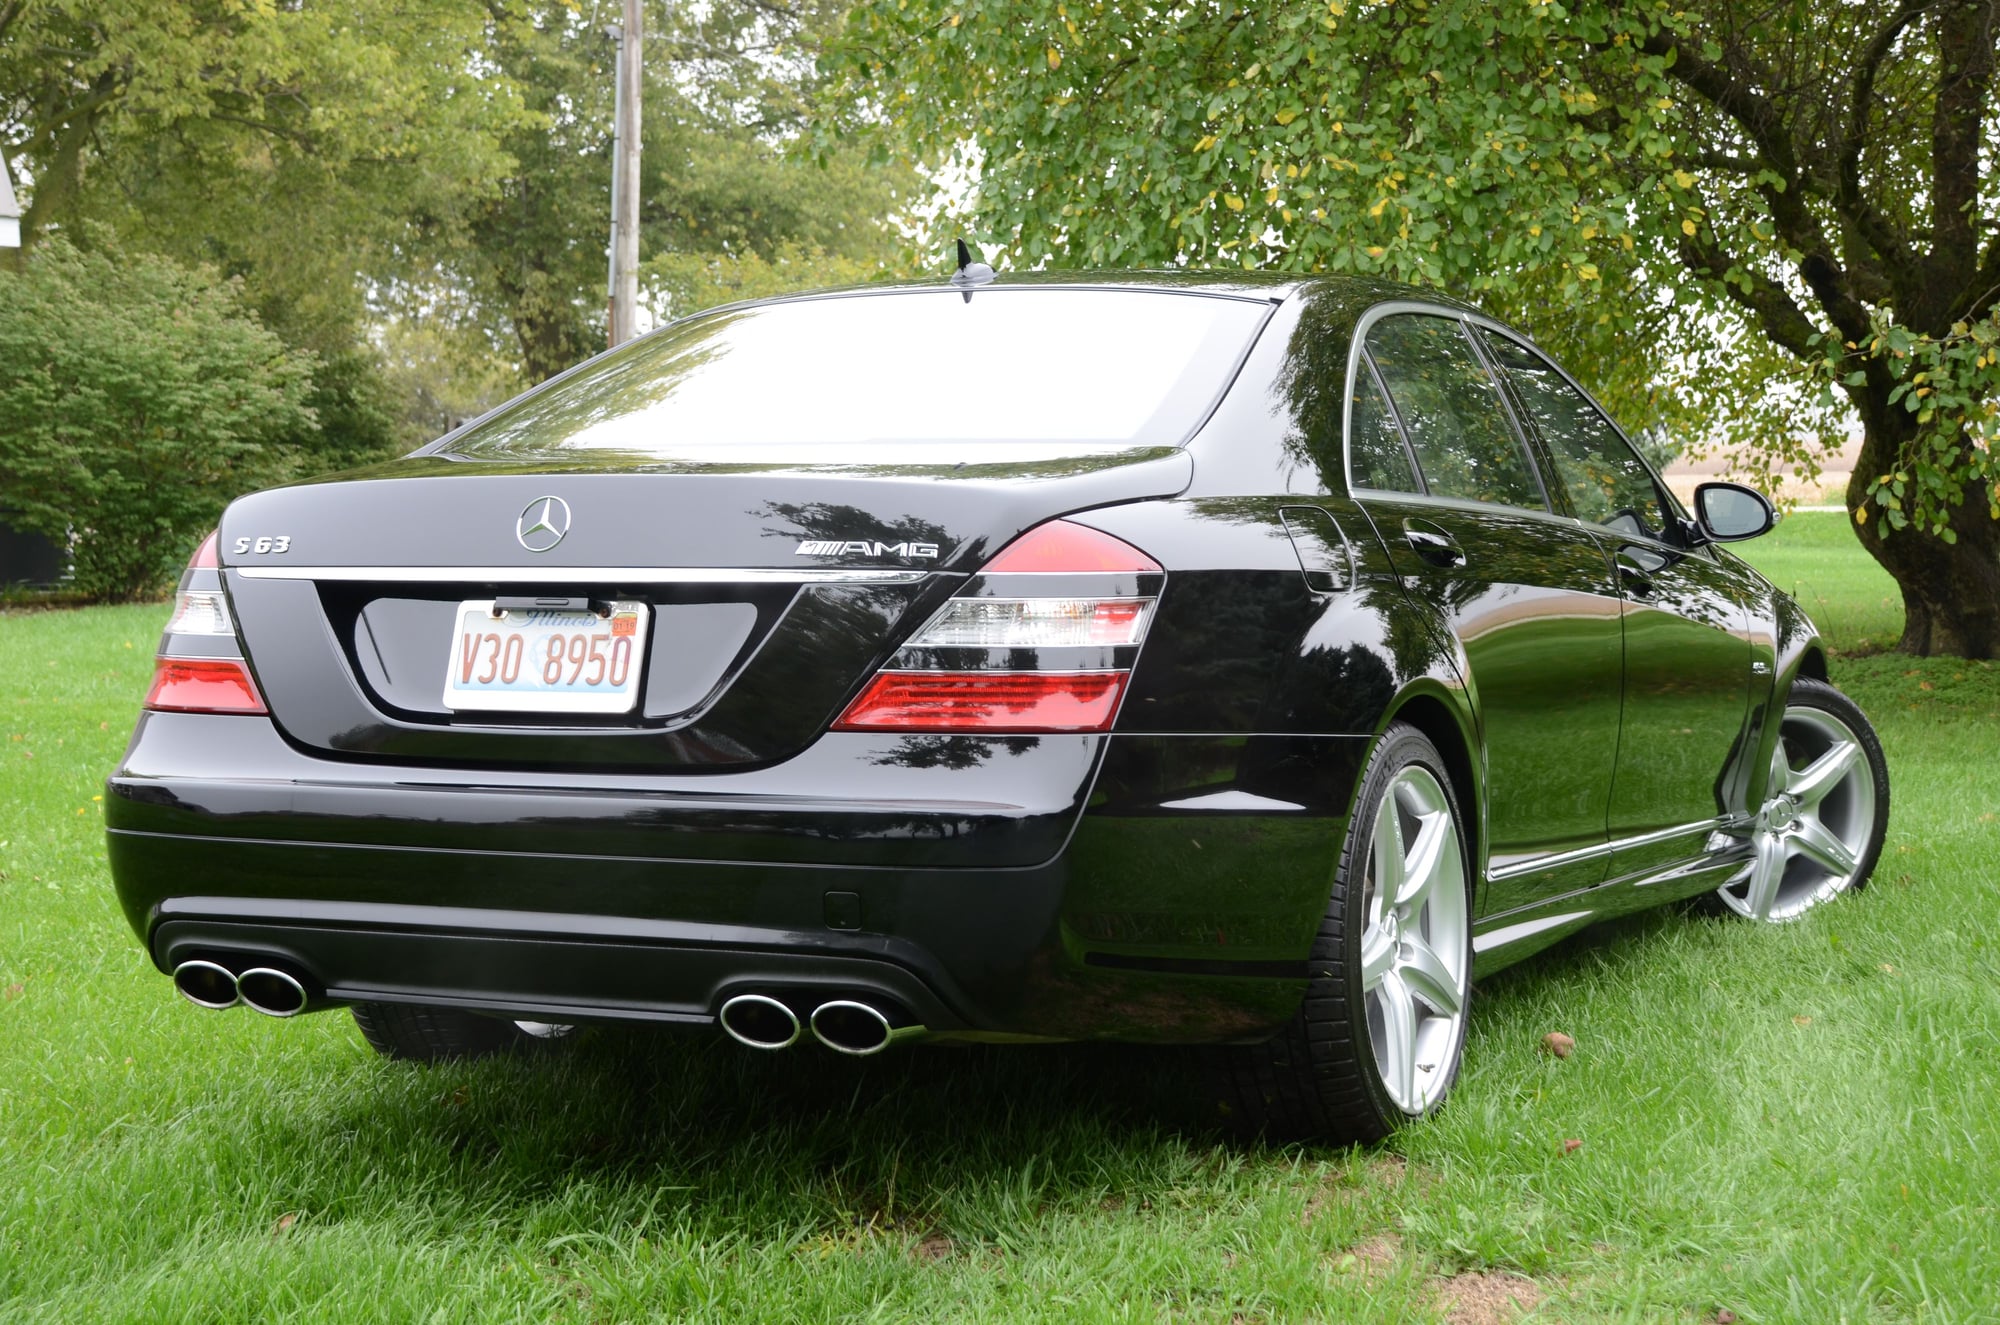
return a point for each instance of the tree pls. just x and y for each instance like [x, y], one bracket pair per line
[1733, 222]
[136, 398]
[728, 199]
[345, 105]
[287, 145]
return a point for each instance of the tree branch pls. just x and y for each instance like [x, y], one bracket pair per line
[1785, 198]
[1758, 117]
[1724, 163]
[1766, 300]
[1965, 34]
[1889, 244]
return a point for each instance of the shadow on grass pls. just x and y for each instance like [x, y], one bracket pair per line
[807, 1137]
[1608, 944]
[736, 1139]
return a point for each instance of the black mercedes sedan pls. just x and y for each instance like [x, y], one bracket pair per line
[1177, 658]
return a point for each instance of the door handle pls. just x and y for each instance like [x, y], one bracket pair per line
[1636, 578]
[1433, 544]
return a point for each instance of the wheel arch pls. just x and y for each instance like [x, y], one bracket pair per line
[1799, 652]
[1450, 729]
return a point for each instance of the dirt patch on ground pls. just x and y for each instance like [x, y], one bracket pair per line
[1372, 1259]
[1487, 1297]
[1388, 1170]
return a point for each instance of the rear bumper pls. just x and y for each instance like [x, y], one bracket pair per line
[1158, 888]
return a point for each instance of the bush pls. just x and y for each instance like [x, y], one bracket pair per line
[137, 397]
[356, 417]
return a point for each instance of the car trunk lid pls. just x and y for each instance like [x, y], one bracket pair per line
[771, 592]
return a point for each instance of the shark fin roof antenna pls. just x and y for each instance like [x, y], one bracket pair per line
[970, 273]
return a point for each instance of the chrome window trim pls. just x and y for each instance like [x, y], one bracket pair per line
[1389, 308]
[1535, 864]
[574, 574]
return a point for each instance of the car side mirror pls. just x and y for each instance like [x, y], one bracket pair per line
[1730, 512]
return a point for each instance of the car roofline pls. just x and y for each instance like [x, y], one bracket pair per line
[1256, 286]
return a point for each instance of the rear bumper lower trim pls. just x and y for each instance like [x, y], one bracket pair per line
[485, 962]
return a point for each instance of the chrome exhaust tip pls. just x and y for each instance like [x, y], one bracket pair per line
[860, 1029]
[272, 992]
[207, 985]
[760, 1021]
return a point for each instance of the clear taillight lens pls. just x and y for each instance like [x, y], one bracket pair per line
[201, 613]
[216, 679]
[1030, 623]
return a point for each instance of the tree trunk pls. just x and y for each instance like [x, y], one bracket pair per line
[1951, 591]
[58, 178]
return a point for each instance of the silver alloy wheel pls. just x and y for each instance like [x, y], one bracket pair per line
[1415, 970]
[1812, 832]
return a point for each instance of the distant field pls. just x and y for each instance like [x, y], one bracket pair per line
[1797, 1124]
[1813, 555]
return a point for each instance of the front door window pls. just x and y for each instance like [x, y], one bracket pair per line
[1604, 478]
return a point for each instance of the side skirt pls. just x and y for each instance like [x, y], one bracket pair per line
[1499, 941]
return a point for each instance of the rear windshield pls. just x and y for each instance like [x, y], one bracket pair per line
[915, 375]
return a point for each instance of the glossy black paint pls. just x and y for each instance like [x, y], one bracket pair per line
[1159, 882]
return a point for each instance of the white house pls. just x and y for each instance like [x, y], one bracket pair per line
[10, 211]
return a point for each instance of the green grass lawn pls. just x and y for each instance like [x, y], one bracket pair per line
[1814, 557]
[1789, 1124]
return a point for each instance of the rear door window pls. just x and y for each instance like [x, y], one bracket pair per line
[1602, 476]
[1374, 443]
[1452, 412]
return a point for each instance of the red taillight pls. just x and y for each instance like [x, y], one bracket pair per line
[996, 702]
[1011, 655]
[204, 556]
[203, 685]
[1070, 549]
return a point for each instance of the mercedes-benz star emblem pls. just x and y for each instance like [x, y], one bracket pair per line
[543, 524]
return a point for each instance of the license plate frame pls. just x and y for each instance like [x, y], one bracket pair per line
[486, 652]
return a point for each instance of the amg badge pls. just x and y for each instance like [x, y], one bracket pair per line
[818, 548]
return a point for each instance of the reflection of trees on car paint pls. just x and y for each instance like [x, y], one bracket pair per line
[1451, 412]
[950, 751]
[1605, 480]
[838, 522]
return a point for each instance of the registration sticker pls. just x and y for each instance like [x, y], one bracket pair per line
[546, 660]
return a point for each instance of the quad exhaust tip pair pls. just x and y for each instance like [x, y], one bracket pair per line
[757, 1020]
[266, 989]
[842, 1025]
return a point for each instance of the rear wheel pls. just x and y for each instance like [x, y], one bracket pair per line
[1825, 810]
[430, 1034]
[1377, 1040]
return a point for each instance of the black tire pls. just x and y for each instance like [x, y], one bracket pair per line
[1318, 1077]
[411, 1033]
[1864, 813]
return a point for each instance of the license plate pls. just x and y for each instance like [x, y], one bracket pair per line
[545, 661]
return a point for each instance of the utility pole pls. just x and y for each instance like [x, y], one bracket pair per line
[624, 291]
